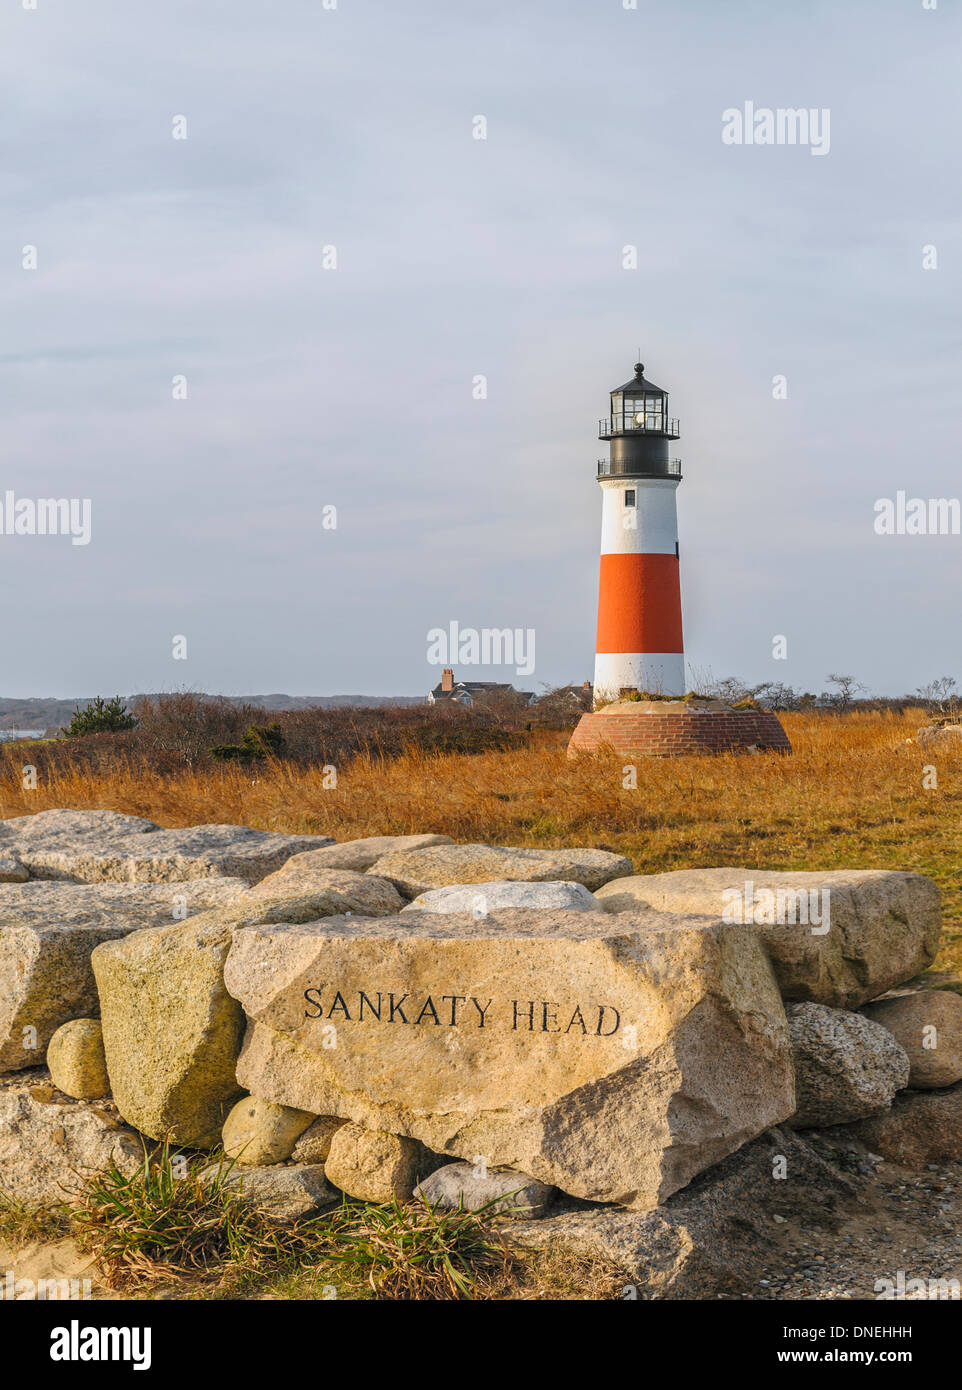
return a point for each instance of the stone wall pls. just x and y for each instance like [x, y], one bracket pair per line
[566, 1033]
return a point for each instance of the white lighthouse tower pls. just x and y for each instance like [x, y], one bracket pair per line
[639, 643]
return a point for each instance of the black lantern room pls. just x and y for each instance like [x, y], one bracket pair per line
[640, 429]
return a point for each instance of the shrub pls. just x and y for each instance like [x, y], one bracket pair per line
[185, 724]
[259, 741]
[100, 717]
[472, 741]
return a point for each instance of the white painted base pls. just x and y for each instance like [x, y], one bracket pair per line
[661, 673]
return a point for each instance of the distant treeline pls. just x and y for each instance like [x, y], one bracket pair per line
[940, 696]
[49, 713]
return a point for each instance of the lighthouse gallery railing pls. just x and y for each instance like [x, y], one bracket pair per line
[627, 424]
[670, 469]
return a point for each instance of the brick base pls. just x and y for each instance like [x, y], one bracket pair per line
[661, 729]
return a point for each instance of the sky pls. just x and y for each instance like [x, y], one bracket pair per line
[272, 259]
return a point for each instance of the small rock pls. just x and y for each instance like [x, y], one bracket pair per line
[285, 1192]
[416, 871]
[846, 1067]
[359, 855]
[375, 1166]
[482, 898]
[257, 1133]
[503, 1191]
[928, 1025]
[922, 1127]
[314, 1144]
[75, 1058]
[11, 870]
[365, 894]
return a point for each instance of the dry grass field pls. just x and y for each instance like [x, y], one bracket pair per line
[851, 795]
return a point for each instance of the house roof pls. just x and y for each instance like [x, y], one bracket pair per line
[472, 686]
[478, 688]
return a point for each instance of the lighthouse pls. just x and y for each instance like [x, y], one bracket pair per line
[639, 645]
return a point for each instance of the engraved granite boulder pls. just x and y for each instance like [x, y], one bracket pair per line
[612, 1056]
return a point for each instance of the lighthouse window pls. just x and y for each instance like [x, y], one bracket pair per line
[646, 414]
[629, 497]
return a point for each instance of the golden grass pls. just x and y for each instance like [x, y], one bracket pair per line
[851, 795]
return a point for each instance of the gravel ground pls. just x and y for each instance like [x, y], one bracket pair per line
[905, 1221]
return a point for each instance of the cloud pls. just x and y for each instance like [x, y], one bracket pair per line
[456, 258]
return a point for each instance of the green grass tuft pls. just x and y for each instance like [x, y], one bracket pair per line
[417, 1250]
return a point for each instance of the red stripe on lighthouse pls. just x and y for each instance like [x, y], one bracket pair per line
[639, 604]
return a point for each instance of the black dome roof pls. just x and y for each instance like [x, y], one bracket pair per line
[638, 383]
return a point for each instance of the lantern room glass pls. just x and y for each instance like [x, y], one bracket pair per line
[645, 413]
[642, 412]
